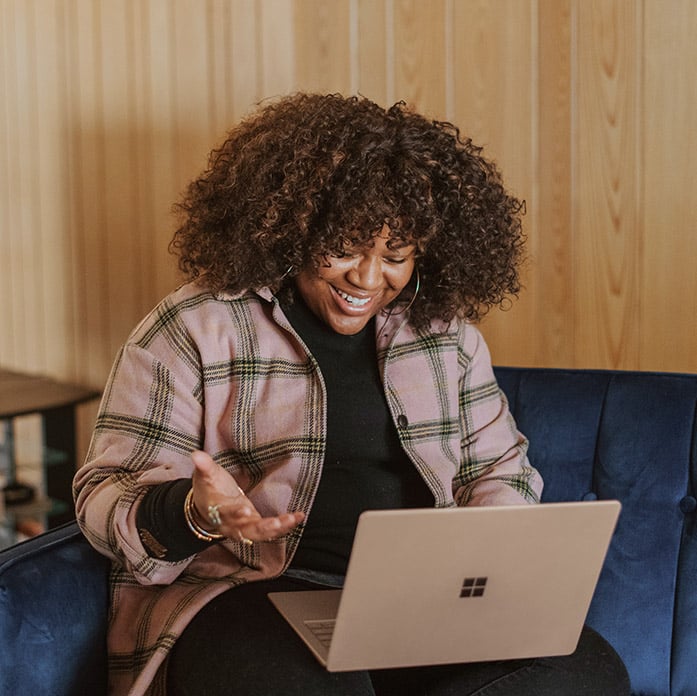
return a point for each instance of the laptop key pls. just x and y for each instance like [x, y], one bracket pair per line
[322, 629]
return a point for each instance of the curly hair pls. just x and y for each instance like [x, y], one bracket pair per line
[305, 175]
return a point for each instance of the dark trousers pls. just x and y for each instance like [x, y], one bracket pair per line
[239, 645]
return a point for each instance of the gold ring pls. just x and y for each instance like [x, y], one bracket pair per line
[243, 539]
[214, 515]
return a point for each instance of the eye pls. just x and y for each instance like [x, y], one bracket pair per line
[396, 260]
[345, 254]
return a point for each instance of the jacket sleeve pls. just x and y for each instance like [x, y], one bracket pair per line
[149, 421]
[494, 468]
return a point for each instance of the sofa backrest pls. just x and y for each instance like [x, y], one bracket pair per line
[629, 436]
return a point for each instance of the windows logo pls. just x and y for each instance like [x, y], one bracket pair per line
[473, 587]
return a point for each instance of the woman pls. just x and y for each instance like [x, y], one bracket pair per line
[322, 360]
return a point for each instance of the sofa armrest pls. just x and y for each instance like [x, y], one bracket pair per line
[53, 616]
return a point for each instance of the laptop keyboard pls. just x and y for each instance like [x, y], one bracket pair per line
[322, 629]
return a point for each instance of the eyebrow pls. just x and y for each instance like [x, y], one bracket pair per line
[399, 245]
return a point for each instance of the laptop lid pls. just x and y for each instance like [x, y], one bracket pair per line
[435, 586]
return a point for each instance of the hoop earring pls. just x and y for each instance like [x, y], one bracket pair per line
[411, 302]
[288, 270]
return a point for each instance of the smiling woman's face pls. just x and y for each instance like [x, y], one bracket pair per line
[347, 291]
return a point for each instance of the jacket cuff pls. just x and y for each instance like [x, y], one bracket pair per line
[161, 524]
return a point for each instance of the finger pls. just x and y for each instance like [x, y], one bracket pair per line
[243, 514]
[227, 516]
[239, 519]
[268, 527]
[236, 506]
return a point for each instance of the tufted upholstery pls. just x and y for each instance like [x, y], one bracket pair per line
[593, 434]
[629, 436]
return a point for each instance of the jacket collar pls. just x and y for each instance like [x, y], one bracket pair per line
[389, 327]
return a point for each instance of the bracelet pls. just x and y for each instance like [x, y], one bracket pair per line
[199, 532]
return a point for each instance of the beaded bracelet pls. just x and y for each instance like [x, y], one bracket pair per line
[199, 532]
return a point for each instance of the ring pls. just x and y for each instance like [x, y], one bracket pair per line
[214, 515]
[243, 539]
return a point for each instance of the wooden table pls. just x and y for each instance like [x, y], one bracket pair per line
[55, 401]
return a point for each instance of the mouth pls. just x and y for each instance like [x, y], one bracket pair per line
[350, 300]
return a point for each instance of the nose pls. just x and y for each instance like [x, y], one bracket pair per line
[366, 272]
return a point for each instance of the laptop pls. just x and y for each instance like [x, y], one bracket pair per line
[437, 586]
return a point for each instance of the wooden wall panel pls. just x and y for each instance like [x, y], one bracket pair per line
[109, 107]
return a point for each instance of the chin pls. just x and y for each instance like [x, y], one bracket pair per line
[348, 328]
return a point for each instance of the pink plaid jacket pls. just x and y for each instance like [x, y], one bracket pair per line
[230, 376]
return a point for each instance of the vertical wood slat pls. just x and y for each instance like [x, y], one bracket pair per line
[232, 58]
[242, 64]
[123, 266]
[11, 332]
[20, 106]
[56, 263]
[607, 249]
[372, 50]
[419, 55]
[322, 45]
[142, 218]
[494, 104]
[86, 130]
[75, 335]
[277, 47]
[7, 301]
[668, 297]
[34, 254]
[553, 262]
[159, 132]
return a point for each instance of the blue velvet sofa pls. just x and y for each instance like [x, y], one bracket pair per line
[593, 434]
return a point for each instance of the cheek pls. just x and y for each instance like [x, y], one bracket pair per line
[332, 270]
[306, 286]
[400, 279]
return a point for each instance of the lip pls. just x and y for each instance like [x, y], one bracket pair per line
[349, 308]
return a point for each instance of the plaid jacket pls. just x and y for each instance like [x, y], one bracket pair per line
[230, 376]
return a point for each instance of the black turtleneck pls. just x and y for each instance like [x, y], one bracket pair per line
[365, 466]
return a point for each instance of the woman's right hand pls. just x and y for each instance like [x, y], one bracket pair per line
[239, 519]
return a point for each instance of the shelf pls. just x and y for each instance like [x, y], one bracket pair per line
[22, 394]
[35, 508]
[48, 462]
[28, 519]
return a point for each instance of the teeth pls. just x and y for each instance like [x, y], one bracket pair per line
[355, 301]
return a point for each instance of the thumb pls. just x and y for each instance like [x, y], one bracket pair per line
[203, 463]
